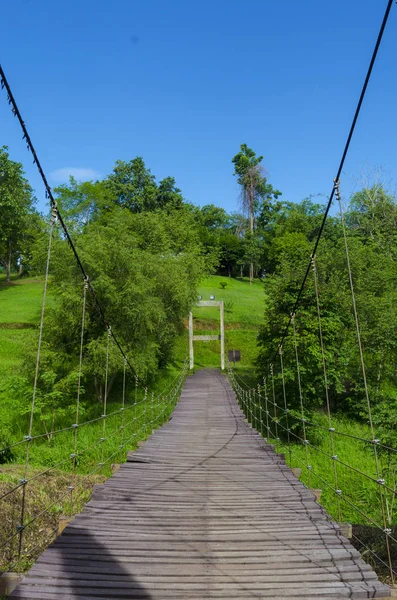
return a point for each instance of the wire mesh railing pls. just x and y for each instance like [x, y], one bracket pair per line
[293, 406]
[75, 452]
[85, 462]
[290, 433]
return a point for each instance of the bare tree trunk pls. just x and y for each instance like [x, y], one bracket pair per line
[251, 209]
[379, 372]
[110, 385]
[8, 263]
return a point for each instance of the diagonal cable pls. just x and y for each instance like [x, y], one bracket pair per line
[340, 168]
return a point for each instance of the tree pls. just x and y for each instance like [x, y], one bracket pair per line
[145, 269]
[168, 196]
[370, 227]
[16, 212]
[254, 186]
[81, 202]
[132, 186]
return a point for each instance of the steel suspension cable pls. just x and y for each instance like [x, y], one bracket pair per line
[49, 195]
[76, 423]
[326, 387]
[24, 481]
[298, 372]
[362, 364]
[340, 167]
[285, 402]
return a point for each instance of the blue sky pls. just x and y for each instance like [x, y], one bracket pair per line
[184, 83]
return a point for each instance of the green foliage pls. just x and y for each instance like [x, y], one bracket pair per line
[255, 187]
[244, 308]
[256, 195]
[229, 306]
[81, 202]
[370, 223]
[132, 186]
[19, 223]
[145, 269]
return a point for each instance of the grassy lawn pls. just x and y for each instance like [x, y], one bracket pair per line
[244, 309]
[20, 306]
[20, 301]
[244, 303]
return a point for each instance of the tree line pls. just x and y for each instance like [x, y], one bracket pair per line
[146, 248]
[232, 242]
[370, 227]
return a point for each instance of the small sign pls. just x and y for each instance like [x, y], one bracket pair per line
[212, 297]
[234, 356]
[200, 297]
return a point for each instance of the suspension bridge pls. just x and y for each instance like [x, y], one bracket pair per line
[205, 509]
[209, 506]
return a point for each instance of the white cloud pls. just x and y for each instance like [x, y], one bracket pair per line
[79, 173]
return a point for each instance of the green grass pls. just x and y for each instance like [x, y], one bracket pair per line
[244, 310]
[20, 306]
[20, 301]
[353, 472]
[248, 309]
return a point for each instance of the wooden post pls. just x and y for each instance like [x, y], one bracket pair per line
[346, 529]
[222, 335]
[208, 338]
[317, 494]
[8, 583]
[63, 522]
[191, 340]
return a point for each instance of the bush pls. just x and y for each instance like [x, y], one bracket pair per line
[229, 305]
[6, 454]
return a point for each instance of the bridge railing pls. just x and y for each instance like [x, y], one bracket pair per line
[80, 455]
[80, 452]
[293, 404]
[352, 495]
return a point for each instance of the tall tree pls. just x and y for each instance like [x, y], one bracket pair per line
[254, 186]
[81, 202]
[132, 186]
[168, 196]
[16, 210]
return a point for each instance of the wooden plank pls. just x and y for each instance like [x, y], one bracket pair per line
[208, 303]
[204, 509]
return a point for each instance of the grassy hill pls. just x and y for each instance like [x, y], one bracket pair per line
[244, 309]
[20, 306]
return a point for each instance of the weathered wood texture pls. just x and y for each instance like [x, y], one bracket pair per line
[205, 509]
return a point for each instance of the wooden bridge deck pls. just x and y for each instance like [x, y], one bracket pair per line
[205, 509]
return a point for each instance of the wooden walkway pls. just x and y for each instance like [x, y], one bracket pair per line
[205, 509]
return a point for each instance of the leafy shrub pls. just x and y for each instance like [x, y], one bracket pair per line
[6, 454]
[229, 305]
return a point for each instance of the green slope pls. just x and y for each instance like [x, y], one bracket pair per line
[244, 309]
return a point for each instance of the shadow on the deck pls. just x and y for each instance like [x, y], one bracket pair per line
[79, 565]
